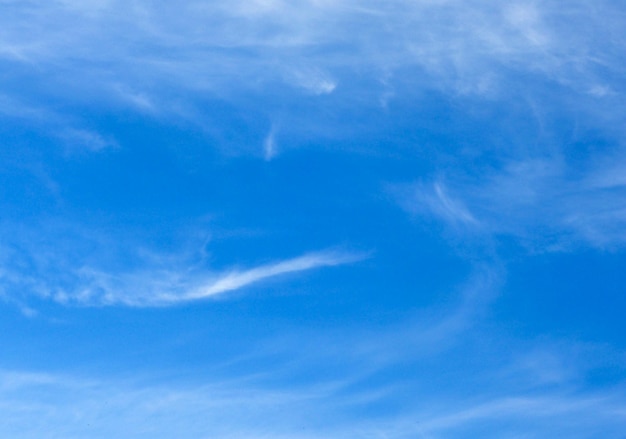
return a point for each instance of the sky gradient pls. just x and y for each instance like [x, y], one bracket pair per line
[312, 219]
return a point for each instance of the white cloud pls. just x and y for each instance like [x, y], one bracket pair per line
[269, 145]
[168, 62]
[161, 287]
[434, 199]
[313, 81]
[542, 202]
[66, 131]
[72, 264]
[359, 375]
[600, 91]
[37, 404]
[452, 210]
[239, 279]
[81, 139]
[464, 46]
[551, 413]
[12, 108]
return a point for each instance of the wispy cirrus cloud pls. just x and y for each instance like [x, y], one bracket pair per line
[461, 47]
[434, 199]
[543, 202]
[550, 414]
[348, 374]
[300, 59]
[238, 279]
[64, 129]
[336, 406]
[154, 286]
[81, 139]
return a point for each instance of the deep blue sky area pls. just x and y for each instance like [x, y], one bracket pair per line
[312, 219]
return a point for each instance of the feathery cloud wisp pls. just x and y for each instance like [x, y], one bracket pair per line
[239, 279]
[435, 200]
[154, 287]
[541, 201]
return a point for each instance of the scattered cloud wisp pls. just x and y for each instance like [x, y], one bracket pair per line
[239, 279]
[153, 287]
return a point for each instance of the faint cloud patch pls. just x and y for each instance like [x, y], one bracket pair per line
[600, 91]
[526, 19]
[313, 81]
[435, 200]
[137, 100]
[270, 148]
[85, 140]
[542, 202]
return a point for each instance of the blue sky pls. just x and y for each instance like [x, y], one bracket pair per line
[339, 219]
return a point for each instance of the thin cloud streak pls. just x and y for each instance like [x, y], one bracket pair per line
[64, 268]
[562, 412]
[155, 288]
[434, 200]
[241, 279]
[246, 406]
[449, 208]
